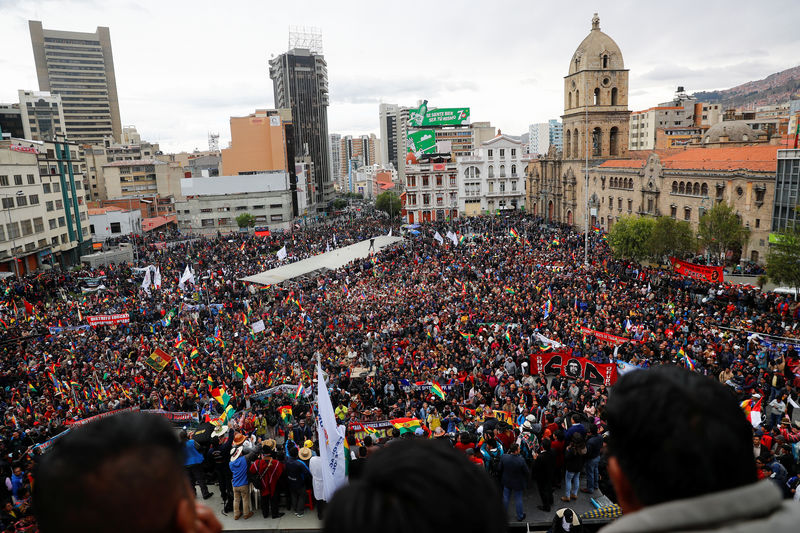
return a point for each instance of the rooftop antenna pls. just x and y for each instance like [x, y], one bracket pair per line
[308, 37]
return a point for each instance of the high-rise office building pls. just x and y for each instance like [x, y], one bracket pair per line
[538, 138]
[80, 68]
[556, 132]
[300, 82]
[335, 156]
[392, 129]
[355, 152]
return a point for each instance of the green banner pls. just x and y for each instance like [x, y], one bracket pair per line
[451, 116]
[421, 141]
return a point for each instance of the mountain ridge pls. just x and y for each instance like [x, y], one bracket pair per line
[775, 89]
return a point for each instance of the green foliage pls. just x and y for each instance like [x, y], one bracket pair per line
[630, 238]
[388, 202]
[783, 260]
[339, 203]
[671, 237]
[246, 220]
[721, 230]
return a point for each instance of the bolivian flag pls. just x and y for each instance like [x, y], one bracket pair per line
[219, 394]
[239, 371]
[437, 391]
[194, 354]
[158, 360]
[285, 413]
[406, 425]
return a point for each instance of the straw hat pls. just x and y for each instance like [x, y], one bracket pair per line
[238, 439]
[304, 453]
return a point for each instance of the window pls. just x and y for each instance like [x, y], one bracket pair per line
[33, 199]
[513, 171]
[630, 205]
[502, 152]
[31, 179]
[502, 171]
[491, 186]
[18, 179]
[46, 188]
[116, 227]
[238, 208]
[605, 61]
[426, 199]
[13, 230]
[673, 211]
[425, 181]
[49, 205]
[687, 213]
[223, 221]
[452, 181]
[8, 203]
[276, 218]
[54, 241]
[758, 222]
[491, 171]
[22, 201]
[206, 210]
[619, 203]
[259, 207]
[2, 233]
[62, 222]
[439, 180]
[674, 187]
[490, 153]
[4, 181]
[614, 96]
[59, 204]
[53, 223]
[513, 185]
[502, 186]
[38, 224]
[412, 181]
[704, 189]
[597, 96]
[56, 187]
[27, 227]
[513, 152]
[207, 222]
[64, 238]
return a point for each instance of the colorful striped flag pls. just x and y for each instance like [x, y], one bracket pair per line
[301, 390]
[437, 390]
[220, 395]
[158, 360]
[285, 412]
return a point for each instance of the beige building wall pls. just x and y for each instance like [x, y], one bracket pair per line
[258, 144]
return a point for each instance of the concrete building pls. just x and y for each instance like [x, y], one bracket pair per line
[356, 152]
[645, 125]
[538, 138]
[431, 190]
[556, 133]
[493, 177]
[335, 149]
[300, 83]
[787, 190]
[42, 115]
[482, 132]
[142, 178]
[109, 222]
[79, 67]
[684, 184]
[212, 204]
[370, 181]
[44, 216]
[258, 143]
[393, 119]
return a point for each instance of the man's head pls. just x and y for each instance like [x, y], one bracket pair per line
[397, 493]
[675, 434]
[105, 475]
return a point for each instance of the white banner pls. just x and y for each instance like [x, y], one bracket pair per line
[258, 326]
[331, 441]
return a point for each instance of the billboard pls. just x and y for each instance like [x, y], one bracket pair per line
[421, 142]
[451, 116]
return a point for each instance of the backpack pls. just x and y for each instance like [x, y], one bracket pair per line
[494, 464]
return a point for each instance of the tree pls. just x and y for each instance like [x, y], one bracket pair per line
[246, 220]
[783, 259]
[671, 237]
[388, 202]
[630, 238]
[722, 231]
[339, 203]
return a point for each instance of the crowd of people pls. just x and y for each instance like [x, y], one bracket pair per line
[465, 312]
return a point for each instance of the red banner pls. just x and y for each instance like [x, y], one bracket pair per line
[564, 364]
[606, 337]
[708, 273]
[262, 233]
[99, 320]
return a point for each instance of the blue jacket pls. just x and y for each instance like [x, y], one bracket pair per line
[239, 470]
[193, 457]
[514, 471]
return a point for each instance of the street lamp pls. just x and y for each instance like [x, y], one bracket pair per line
[11, 226]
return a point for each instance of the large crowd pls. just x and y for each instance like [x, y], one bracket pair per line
[464, 313]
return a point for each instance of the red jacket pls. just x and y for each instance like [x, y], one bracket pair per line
[270, 471]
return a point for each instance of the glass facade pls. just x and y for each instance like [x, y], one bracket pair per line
[787, 183]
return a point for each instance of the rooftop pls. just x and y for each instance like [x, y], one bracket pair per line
[757, 158]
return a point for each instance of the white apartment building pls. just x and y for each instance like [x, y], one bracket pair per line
[44, 218]
[493, 178]
[538, 138]
[431, 190]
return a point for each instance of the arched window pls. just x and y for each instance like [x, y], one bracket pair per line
[605, 60]
[597, 96]
[704, 189]
[696, 189]
[576, 143]
[597, 141]
[569, 101]
[614, 96]
[568, 151]
[577, 98]
[513, 171]
[613, 141]
[681, 188]
[472, 173]
[502, 171]
[491, 171]
[674, 186]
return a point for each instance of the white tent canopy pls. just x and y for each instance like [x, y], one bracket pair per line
[322, 262]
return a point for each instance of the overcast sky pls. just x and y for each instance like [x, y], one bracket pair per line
[185, 67]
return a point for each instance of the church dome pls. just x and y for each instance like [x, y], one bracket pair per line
[737, 131]
[597, 51]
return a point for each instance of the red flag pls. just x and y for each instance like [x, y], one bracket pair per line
[28, 307]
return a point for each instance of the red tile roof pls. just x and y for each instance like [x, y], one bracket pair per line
[156, 222]
[758, 158]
